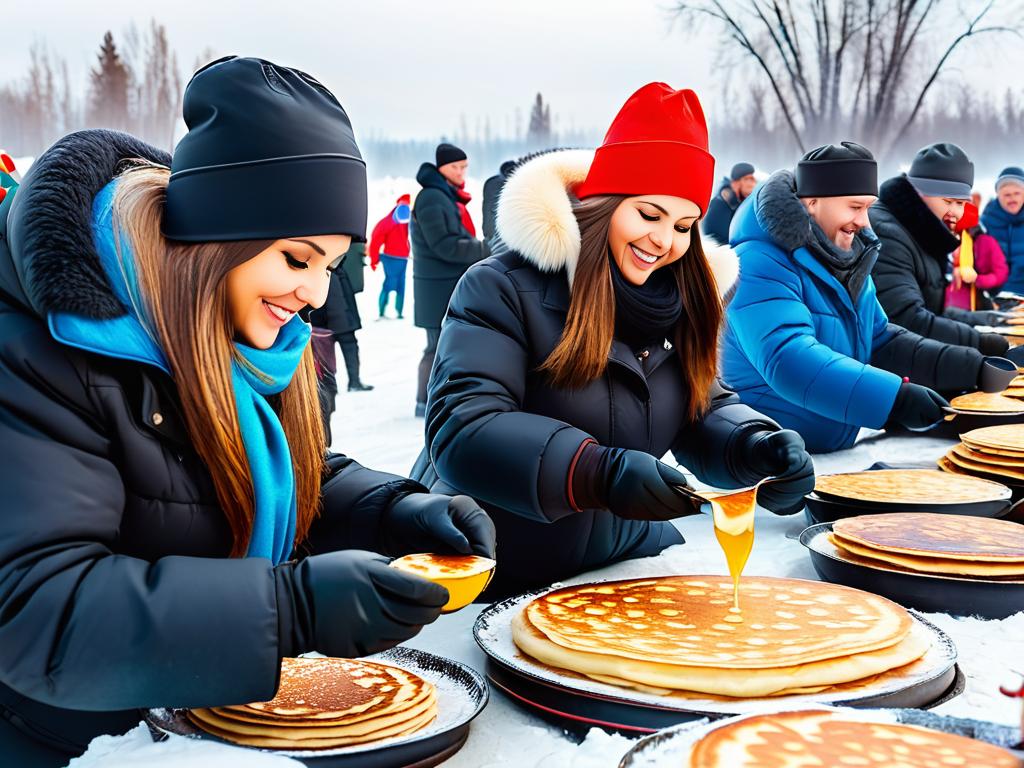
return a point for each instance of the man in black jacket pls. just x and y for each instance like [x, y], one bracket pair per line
[734, 190]
[914, 219]
[444, 245]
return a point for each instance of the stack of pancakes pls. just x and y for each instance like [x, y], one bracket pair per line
[996, 453]
[825, 738]
[941, 545]
[909, 486]
[1016, 387]
[676, 633]
[327, 703]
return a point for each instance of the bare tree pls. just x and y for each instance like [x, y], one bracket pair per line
[830, 63]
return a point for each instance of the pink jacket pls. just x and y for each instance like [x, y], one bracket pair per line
[989, 263]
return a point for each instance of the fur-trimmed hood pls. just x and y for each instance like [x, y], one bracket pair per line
[49, 227]
[535, 217]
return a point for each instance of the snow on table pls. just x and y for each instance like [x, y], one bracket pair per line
[378, 429]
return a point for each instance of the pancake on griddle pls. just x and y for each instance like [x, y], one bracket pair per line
[950, 537]
[327, 702]
[986, 402]
[1002, 437]
[676, 633]
[828, 739]
[909, 486]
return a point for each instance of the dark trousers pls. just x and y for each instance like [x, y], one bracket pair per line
[323, 354]
[394, 280]
[426, 363]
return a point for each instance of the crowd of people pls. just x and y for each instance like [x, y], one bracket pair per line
[175, 523]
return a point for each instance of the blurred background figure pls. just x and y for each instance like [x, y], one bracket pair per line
[1004, 220]
[733, 191]
[978, 265]
[389, 246]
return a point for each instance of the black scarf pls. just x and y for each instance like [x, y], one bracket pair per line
[645, 314]
[850, 267]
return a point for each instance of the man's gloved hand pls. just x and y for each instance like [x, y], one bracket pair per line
[917, 407]
[993, 345]
[780, 454]
[630, 484]
[350, 603]
[432, 522]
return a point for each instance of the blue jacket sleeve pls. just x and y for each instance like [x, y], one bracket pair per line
[775, 330]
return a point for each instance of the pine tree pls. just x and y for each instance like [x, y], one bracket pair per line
[108, 97]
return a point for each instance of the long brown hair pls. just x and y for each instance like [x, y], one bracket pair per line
[184, 298]
[581, 354]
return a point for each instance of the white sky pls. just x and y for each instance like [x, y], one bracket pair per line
[408, 69]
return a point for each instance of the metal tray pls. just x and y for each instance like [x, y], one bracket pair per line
[671, 747]
[461, 695]
[565, 696]
[956, 595]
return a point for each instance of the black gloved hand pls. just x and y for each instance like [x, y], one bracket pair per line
[1016, 354]
[350, 603]
[630, 484]
[993, 345]
[917, 407]
[432, 522]
[780, 454]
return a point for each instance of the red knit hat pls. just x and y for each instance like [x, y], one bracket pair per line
[656, 145]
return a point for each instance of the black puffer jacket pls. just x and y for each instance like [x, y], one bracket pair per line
[442, 248]
[116, 591]
[910, 274]
[498, 429]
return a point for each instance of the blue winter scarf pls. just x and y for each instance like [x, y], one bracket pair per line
[261, 373]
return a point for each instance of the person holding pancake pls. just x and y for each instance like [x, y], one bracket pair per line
[172, 523]
[570, 363]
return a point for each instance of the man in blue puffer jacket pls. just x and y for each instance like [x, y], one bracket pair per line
[1004, 220]
[806, 341]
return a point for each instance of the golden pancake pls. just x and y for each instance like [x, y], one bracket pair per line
[990, 451]
[986, 402]
[992, 470]
[1001, 436]
[727, 681]
[830, 739]
[685, 620]
[996, 460]
[954, 537]
[464, 576]
[933, 565]
[1009, 330]
[1014, 391]
[910, 486]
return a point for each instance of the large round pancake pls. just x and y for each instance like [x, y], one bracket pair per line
[915, 486]
[273, 742]
[997, 461]
[986, 402]
[924, 534]
[1004, 436]
[685, 620]
[988, 450]
[721, 681]
[992, 470]
[810, 738]
[331, 688]
[934, 565]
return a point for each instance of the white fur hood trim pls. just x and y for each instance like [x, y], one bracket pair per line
[535, 217]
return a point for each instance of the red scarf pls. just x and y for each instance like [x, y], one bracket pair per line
[463, 197]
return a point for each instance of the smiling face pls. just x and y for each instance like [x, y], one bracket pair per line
[949, 210]
[1011, 197]
[840, 218]
[649, 232]
[455, 172]
[266, 291]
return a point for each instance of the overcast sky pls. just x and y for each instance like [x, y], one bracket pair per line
[408, 69]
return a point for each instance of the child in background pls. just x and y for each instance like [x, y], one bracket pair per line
[979, 266]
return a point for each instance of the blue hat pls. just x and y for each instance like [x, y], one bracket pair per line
[1012, 175]
[269, 153]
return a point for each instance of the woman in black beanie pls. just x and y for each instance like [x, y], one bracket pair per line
[173, 525]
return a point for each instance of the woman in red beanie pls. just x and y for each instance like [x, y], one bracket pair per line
[568, 365]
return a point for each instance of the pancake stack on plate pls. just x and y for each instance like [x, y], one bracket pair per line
[676, 633]
[996, 453]
[1016, 388]
[325, 703]
[908, 486]
[941, 545]
[803, 739]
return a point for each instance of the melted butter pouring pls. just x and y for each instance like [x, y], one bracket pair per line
[733, 515]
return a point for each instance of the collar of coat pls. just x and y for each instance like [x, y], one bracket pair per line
[535, 217]
[50, 223]
[902, 201]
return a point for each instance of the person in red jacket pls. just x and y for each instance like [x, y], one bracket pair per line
[985, 272]
[389, 245]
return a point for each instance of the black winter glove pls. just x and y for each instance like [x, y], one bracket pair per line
[350, 603]
[780, 454]
[630, 484]
[992, 345]
[1017, 355]
[917, 407]
[432, 522]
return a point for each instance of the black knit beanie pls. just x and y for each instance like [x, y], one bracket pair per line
[837, 171]
[269, 153]
[447, 153]
[942, 170]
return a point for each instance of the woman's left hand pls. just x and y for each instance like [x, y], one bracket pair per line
[781, 454]
[432, 522]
